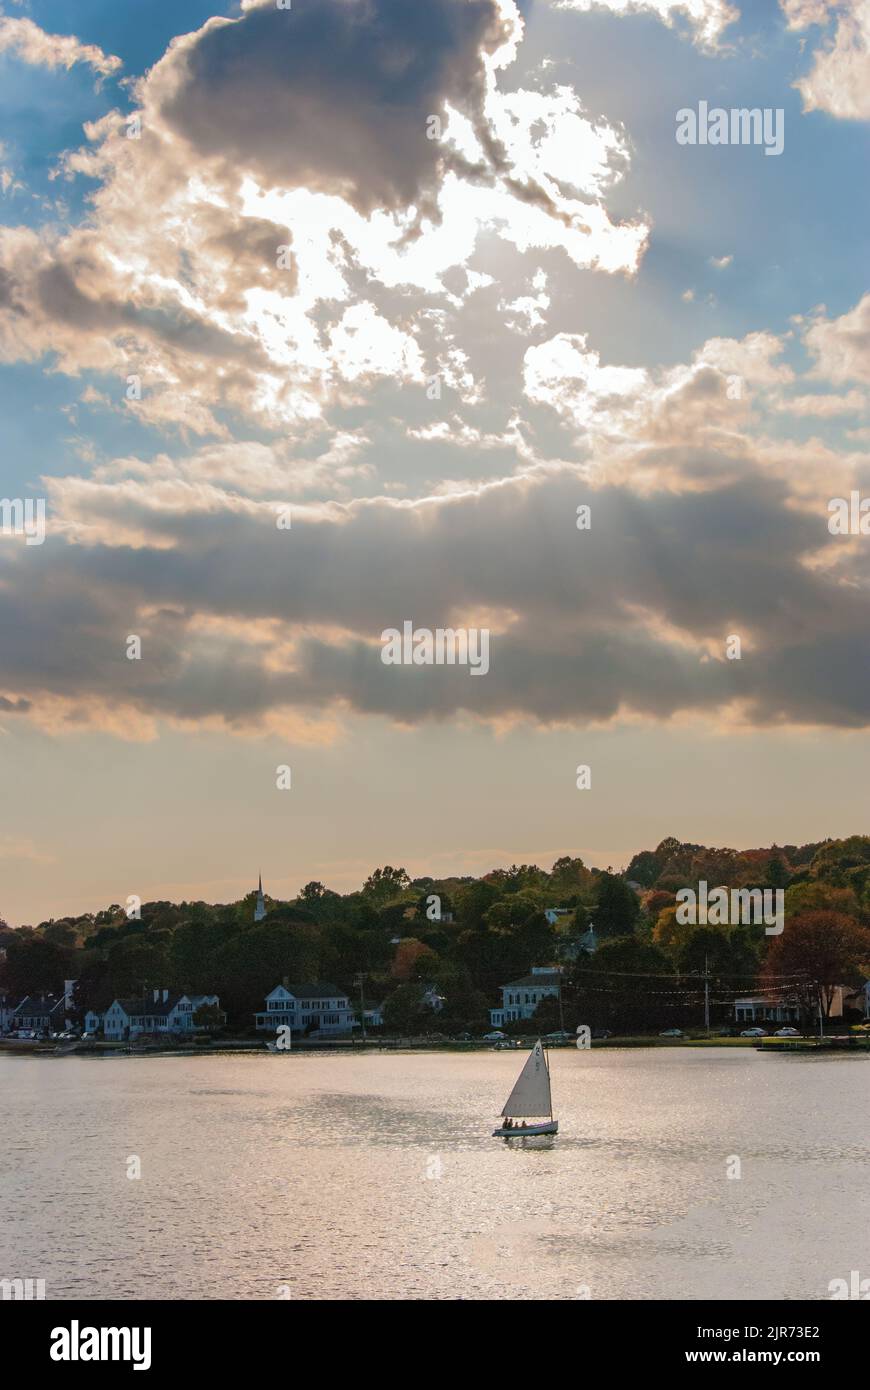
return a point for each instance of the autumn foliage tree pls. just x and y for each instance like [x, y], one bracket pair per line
[821, 950]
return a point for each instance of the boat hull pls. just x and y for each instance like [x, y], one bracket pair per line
[530, 1131]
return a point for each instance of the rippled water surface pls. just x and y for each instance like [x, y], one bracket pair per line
[375, 1176]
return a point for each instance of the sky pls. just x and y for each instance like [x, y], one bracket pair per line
[319, 320]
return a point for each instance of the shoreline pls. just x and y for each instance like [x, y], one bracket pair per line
[838, 1043]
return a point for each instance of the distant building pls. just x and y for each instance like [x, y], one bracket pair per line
[320, 1008]
[769, 1009]
[45, 1013]
[521, 997]
[758, 1009]
[553, 914]
[374, 1016]
[859, 999]
[432, 999]
[162, 1013]
[260, 909]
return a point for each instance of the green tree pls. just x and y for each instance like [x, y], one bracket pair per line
[405, 1011]
[385, 884]
[616, 908]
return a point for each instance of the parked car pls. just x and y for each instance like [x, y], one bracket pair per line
[754, 1033]
[559, 1036]
[26, 1034]
[786, 1033]
[494, 1037]
[672, 1033]
[601, 1033]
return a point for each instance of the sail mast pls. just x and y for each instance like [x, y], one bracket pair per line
[549, 1084]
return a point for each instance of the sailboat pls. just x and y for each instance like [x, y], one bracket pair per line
[529, 1097]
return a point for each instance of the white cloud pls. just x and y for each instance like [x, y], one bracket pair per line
[33, 45]
[839, 80]
[707, 18]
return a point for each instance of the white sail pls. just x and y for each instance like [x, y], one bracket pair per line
[531, 1094]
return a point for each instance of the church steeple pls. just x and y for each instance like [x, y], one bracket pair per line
[260, 909]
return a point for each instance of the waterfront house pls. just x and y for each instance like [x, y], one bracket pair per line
[321, 1009]
[764, 1008]
[161, 1013]
[520, 998]
[45, 1013]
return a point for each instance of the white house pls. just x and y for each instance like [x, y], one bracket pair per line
[767, 1009]
[520, 998]
[320, 1008]
[758, 1009]
[553, 914]
[163, 1013]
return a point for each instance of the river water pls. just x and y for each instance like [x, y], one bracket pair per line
[374, 1176]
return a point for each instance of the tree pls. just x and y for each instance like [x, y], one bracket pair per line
[617, 907]
[820, 950]
[311, 893]
[385, 884]
[405, 1011]
[625, 986]
[413, 960]
[208, 1017]
[644, 868]
[474, 902]
[34, 966]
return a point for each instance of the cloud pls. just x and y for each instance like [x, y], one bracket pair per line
[616, 408]
[708, 19]
[33, 45]
[841, 346]
[249, 627]
[239, 269]
[335, 96]
[838, 80]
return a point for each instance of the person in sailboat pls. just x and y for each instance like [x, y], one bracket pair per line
[530, 1096]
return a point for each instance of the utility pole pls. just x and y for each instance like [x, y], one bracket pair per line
[360, 979]
[706, 996]
[561, 1014]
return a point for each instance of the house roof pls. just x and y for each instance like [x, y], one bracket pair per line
[136, 1008]
[39, 1003]
[320, 990]
[544, 977]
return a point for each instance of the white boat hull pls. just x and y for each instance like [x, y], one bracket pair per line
[517, 1132]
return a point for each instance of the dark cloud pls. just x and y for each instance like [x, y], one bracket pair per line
[332, 95]
[629, 616]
